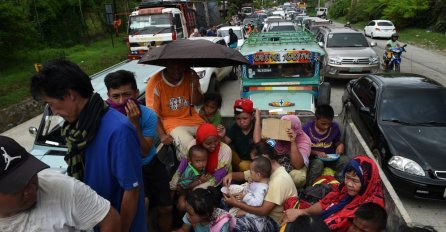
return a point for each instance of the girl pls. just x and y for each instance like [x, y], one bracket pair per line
[210, 111]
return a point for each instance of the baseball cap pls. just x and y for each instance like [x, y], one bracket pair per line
[17, 166]
[243, 105]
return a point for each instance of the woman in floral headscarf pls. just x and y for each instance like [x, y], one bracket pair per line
[294, 153]
[362, 184]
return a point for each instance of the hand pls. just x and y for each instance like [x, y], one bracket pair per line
[166, 139]
[340, 149]
[240, 213]
[221, 131]
[133, 112]
[291, 134]
[291, 215]
[204, 178]
[229, 199]
[227, 179]
[321, 154]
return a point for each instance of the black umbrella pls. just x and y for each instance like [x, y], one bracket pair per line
[194, 53]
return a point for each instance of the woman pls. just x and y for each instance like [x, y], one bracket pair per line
[233, 39]
[280, 188]
[219, 156]
[362, 184]
[293, 154]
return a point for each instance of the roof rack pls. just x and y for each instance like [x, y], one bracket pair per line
[282, 37]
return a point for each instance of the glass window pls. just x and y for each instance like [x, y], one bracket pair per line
[372, 23]
[149, 24]
[346, 40]
[385, 24]
[361, 90]
[178, 26]
[281, 70]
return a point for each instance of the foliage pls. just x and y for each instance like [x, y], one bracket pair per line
[339, 8]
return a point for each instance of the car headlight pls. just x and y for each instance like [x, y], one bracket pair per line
[374, 60]
[201, 73]
[406, 165]
[335, 60]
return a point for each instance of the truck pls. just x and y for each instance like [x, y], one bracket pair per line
[154, 23]
[247, 9]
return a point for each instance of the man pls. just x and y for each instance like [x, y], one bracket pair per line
[122, 96]
[103, 147]
[391, 44]
[212, 31]
[369, 217]
[31, 200]
[172, 93]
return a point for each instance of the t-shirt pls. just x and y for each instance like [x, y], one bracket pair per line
[113, 163]
[240, 142]
[189, 175]
[393, 44]
[215, 119]
[323, 142]
[63, 204]
[255, 193]
[172, 103]
[148, 123]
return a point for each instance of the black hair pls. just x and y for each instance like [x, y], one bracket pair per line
[405, 228]
[119, 78]
[263, 148]
[195, 148]
[324, 111]
[57, 77]
[213, 96]
[203, 201]
[308, 224]
[262, 165]
[373, 213]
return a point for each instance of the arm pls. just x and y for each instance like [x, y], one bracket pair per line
[257, 134]
[128, 207]
[263, 210]
[197, 95]
[164, 137]
[291, 215]
[134, 114]
[295, 157]
[111, 222]
[237, 176]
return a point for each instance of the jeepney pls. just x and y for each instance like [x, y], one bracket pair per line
[284, 76]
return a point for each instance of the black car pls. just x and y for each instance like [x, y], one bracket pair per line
[402, 117]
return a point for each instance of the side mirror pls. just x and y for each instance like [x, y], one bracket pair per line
[32, 130]
[321, 44]
[373, 44]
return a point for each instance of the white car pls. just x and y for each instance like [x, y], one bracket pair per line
[281, 26]
[224, 31]
[210, 77]
[379, 28]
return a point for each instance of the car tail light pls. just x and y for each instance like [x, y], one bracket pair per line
[174, 35]
[377, 29]
[394, 29]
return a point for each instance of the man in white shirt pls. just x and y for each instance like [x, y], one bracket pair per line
[31, 200]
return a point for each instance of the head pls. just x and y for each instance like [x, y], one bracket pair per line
[64, 86]
[200, 204]
[306, 223]
[121, 86]
[358, 173]
[196, 30]
[198, 157]
[231, 31]
[18, 178]
[369, 217]
[174, 72]
[395, 37]
[260, 168]
[244, 113]
[207, 136]
[211, 103]
[264, 149]
[324, 117]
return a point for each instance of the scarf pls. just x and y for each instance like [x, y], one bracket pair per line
[303, 142]
[337, 215]
[78, 134]
[121, 106]
[203, 132]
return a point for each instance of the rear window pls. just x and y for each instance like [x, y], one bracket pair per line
[282, 28]
[281, 71]
[346, 40]
[385, 24]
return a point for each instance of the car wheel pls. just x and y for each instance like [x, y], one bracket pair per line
[213, 85]
[323, 97]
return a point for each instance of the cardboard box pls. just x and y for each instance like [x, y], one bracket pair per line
[275, 128]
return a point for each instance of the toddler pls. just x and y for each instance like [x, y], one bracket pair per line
[210, 111]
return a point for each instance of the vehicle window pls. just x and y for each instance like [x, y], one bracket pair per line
[178, 26]
[320, 37]
[361, 90]
[346, 40]
[281, 71]
[223, 33]
[282, 28]
[385, 24]
[149, 24]
[371, 23]
[51, 132]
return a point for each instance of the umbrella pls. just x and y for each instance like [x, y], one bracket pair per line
[194, 53]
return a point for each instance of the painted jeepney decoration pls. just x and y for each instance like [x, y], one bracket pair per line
[284, 75]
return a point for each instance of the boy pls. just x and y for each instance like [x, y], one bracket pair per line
[369, 217]
[325, 139]
[210, 111]
[243, 133]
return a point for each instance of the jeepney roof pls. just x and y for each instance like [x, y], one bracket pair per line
[281, 41]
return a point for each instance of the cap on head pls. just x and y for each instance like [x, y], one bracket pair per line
[17, 166]
[243, 105]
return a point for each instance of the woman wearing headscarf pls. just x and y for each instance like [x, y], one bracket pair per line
[293, 154]
[219, 156]
[362, 184]
[233, 39]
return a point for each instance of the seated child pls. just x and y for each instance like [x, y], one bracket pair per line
[369, 217]
[325, 139]
[210, 111]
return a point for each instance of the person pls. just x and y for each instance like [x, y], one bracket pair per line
[250, 27]
[210, 111]
[97, 139]
[348, 25]
[36, 200]
[172, 93]
[362, 184]
[391, 44]
[212, 31]
[325, 138]
[202, 213]
[243, 133]
[202, 31]
[369, 217]
[306, 223]
[196, 33]
[218, 159]
[281, 187]
[116, 24]
[233, 39]
[122, 92]
[293, 154]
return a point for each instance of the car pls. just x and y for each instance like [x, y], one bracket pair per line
[379, 28]
[321, 11]
[402, 118]
[210, 77]
[349, 55]
[270, 20]
[238, 30]
[281, 26]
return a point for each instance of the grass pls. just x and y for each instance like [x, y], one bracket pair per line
[92, 58]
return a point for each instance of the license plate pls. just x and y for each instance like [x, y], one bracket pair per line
[356, 69]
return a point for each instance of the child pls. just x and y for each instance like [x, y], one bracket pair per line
[202, 213]
[325, 139]
[369, 217]
[210, 111]
[242, 134]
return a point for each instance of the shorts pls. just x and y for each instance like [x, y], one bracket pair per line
[156, 183]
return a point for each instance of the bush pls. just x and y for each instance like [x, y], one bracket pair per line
[339, 9]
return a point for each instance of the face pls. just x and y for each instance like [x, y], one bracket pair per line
[122, 93]
[353, 183]
[394, 38]
[199, 159]
[210, 108]
[11, 204]
[361, 225]
[323, 124]
[67, 107]
[191, 215]
[244, 120]
[255, 176]
[210, 143]
[175, 72]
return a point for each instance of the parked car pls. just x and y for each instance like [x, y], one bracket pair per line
[238, 30]
[281, 26]
[321, 11]
[210, 77]
[402, 117]
[379, 28]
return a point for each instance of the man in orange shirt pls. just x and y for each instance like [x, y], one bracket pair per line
[172, 93]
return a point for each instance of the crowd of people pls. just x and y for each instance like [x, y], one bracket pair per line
[231, 38]
[116, 175]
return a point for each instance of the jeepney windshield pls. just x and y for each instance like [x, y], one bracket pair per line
[150, 24]
[281, 70]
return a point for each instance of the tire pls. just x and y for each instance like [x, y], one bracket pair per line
[397, 67]
[213, 85]
[324, 94]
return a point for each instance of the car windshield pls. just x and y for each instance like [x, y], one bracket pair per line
[281, 70]
[247, 20]
[51, 132]
[149, 24]
[223, 33]
[282, 28]
[346, 40]
[385, 24]
[414, 106]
